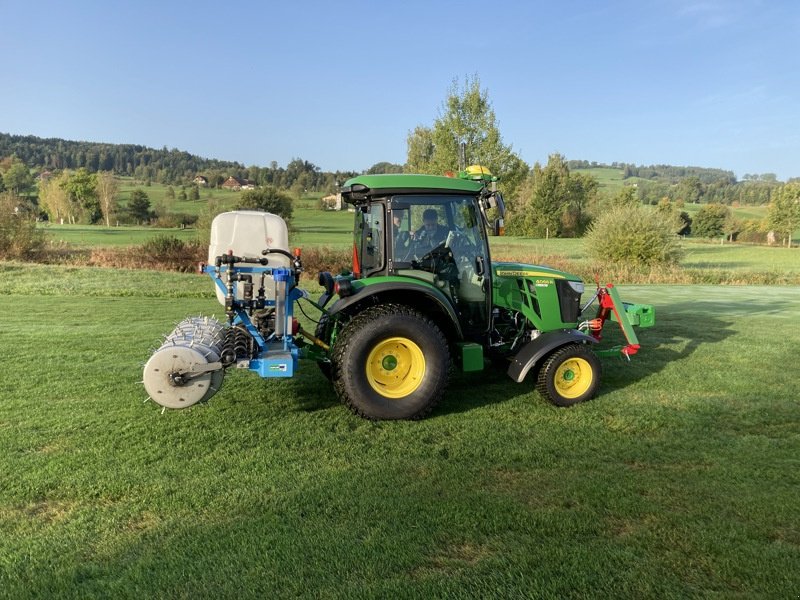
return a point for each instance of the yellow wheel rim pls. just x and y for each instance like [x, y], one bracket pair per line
[573, 378]
[395, 367]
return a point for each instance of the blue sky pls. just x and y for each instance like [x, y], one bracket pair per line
[707, 83]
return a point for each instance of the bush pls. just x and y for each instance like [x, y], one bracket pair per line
[268, 199]
[635, 235]
[19, 237]
[163, 245]
[710, 221]
[175, 220]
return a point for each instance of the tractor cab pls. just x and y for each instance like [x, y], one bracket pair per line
[432, 231]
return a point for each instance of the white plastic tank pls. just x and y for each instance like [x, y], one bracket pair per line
[247, 233]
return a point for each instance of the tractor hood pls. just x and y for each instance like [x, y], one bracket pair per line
[515, 270]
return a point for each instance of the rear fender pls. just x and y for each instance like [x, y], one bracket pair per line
[422, 297]
[535, 350]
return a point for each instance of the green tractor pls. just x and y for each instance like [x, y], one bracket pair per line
[423, 293]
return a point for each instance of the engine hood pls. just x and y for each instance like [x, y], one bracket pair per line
[515, 270]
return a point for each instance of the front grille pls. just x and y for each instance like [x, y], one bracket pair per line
[569, 300]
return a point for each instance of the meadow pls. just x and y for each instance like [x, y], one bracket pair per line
[679, 480]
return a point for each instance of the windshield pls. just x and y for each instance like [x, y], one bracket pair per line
[441, 239]
[422, 223]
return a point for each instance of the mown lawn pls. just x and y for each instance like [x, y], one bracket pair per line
[88, 236]
[679, 480]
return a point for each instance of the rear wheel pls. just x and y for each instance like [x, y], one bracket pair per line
[390, 362]
[569, 375]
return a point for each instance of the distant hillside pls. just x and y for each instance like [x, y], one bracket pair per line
[688, 184]
[167, 166]
[660, 173]
[162, 166]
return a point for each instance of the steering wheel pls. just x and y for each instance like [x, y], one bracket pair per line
[458, 242]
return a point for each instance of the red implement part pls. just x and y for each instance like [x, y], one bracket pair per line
[607, 305]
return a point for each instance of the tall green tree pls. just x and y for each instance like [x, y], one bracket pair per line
[783, 215]
[552, 202]
[17, 179]
[107, 189]
[139, 205]
[81, 188]
[54, 200]
[710, 221]
[466, 116]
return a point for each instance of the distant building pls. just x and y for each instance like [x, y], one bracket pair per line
[332, 202]
[234, 184]
[201, 181]
[231, 183]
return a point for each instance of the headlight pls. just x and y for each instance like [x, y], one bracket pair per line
[577, 286]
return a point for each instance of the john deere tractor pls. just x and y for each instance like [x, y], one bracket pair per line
[422, 296]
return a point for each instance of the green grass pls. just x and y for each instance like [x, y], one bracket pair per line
[87, 236]
[608, 178]
[679, 480]
[157, 193]
[744, 260]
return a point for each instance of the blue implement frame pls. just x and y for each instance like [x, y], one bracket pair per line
[275, 356]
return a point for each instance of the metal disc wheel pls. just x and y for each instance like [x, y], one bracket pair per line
[570, 375]
[395, 367]
[391, 362]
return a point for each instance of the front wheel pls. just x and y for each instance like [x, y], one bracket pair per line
[390, 362]
[569, 375]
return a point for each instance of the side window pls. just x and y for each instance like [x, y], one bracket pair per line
[372, 242]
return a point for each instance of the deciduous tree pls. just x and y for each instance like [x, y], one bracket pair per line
[552, 202]
[53, 198]
[710, 220]
[107, 188]
[81, 187]
[466, 116]
[17, 178]
[268, 199]
[784, 211]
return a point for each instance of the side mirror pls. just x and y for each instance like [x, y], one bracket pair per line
[496, 201]
[499, 227]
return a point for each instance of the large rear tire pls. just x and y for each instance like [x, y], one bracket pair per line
[569, 375]
[390, 362]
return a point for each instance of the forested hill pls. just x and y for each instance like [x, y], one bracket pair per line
[123, 159]
[162, 166]
[662, 173]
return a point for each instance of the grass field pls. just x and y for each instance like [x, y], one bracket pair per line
[679, 480]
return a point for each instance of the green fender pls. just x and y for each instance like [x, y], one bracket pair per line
[532, 352]
[398, 289]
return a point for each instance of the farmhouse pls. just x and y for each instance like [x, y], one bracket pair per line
[232, 183]
[201, 181]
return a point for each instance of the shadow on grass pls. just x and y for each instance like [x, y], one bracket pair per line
[681, 330]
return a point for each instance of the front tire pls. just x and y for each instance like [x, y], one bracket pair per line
[569, 375]
[390, 362]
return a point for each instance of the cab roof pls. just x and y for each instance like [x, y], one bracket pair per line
[364, 186]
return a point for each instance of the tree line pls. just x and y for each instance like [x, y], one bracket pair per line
[167, 166]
